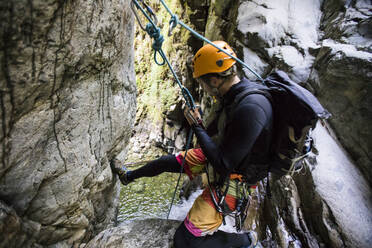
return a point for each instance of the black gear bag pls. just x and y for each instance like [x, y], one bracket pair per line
[296, 112]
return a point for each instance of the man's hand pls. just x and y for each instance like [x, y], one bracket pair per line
[193, 116]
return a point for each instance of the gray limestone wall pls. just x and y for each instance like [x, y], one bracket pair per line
[67, 105]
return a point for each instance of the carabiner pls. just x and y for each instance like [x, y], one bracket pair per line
[151, 17]
[152, 14]
[172, 24]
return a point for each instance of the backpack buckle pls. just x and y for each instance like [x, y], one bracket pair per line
[236, 176]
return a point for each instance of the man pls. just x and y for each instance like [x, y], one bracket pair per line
[242, 135]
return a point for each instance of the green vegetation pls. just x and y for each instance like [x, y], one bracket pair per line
[157, 89]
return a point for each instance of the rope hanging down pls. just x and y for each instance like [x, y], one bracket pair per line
[189, 139]
[175, 20]
[154, 32]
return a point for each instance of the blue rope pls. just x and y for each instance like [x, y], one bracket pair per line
[185, 92]
[154, 32]
[144, 12]
[175, 20]
[188, 144]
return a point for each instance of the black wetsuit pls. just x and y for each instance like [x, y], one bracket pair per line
[247, 133]
[246, 140]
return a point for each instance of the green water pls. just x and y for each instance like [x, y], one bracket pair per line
[148, 197]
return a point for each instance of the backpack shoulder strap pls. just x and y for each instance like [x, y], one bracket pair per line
[250, 91]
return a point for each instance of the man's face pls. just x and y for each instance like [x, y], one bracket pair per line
[207, 88]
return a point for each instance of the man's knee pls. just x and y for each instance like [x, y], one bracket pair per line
[178, 237]
[182, 237]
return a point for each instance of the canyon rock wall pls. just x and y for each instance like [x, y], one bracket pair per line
[67, 104]
[324, 46]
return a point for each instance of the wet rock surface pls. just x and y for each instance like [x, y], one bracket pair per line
[67, 104]
[150, 233]
[342, 76]
[321, 45]
[11, 225]
[326, 205]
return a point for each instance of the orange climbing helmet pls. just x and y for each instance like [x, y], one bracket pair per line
[211, 60]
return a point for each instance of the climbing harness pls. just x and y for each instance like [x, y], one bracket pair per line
[221, 188]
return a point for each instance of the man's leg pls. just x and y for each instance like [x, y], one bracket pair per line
[184, 239]
[199, 229]
[194, 164]
[167, 163]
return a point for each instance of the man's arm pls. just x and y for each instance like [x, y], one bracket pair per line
[243, 129]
